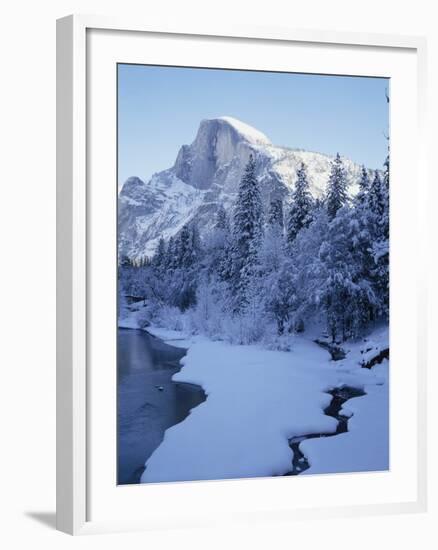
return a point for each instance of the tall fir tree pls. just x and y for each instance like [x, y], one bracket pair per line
[346, 297]
[159, 258]
[275, 215]
[248, 210]
[272, 246]
[301, 207]
[170, 261]
[364, 185]
[189, 246]
[221, 221]
[379, 222]
[385, 200]
[185, 253]
[220, 253]
[247, 232]
[376, 200]
[337, 187]
[196, 242]
[281, 294]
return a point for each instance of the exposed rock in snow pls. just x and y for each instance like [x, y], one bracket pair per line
[207, 173]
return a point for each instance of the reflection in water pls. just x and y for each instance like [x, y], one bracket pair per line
[148, 401]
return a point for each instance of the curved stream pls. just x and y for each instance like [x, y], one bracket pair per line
[148, 402]
[340, 396]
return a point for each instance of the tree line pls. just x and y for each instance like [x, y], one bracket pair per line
[260, 274]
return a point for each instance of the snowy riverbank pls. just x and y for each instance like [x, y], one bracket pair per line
[258, 399]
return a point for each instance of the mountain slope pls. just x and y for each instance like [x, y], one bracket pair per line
[207, 173]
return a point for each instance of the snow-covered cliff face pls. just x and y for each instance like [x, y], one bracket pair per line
[207, 173]
[219, 145]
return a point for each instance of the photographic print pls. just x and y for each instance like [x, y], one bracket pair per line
[253, 274]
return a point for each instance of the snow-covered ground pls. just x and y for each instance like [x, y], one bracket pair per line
[258, 399]
[365, 447]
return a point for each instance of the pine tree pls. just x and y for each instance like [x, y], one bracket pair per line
[188, 246]
[184, 247]
[184, 254]
[385, 200]
[275, 215]
[364, 186]
[247, 231]
[220, 247]
[196, 243]
[248, 209]
[221, 221]
[379, 221]
[272, 246]
[159, 258]
[281, 294]
[170, 260]
[301, 207]
[337, 187]
[346, 296]
[309, 269]
[376, 199]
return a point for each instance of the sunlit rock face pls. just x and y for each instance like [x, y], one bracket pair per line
[207, 173]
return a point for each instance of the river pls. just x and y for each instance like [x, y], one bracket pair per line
[148, 401]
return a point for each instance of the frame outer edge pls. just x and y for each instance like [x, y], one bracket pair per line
[423, 280]
[71, 277]
[71, 386]
[254, 32]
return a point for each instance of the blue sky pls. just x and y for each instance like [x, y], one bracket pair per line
[159, 109]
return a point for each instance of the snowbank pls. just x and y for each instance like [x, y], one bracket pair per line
[172, 337]
[129, 322]
[257, 400]
[365, 447]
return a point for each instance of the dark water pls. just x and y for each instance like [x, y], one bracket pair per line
[148, 401]
[339, 397]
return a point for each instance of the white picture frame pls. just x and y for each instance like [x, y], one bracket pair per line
[75, 215]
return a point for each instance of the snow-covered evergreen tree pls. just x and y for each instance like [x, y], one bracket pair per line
[346, 296]
[188, 246]
[364, 186]
[376, 200]
[309, 270]
[301, 207]
[247, 232]
[379, 216]
[170, 259]
[275, 215]
[221, 223]
[159, 259]
[281, 295]
[272, 246]
[185, 250]
[385, 196]
[221, 253]
[337, 187]
[196, 243]
[248, 210]
[217, 246]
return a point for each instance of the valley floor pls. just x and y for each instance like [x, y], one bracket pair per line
[259, 399]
